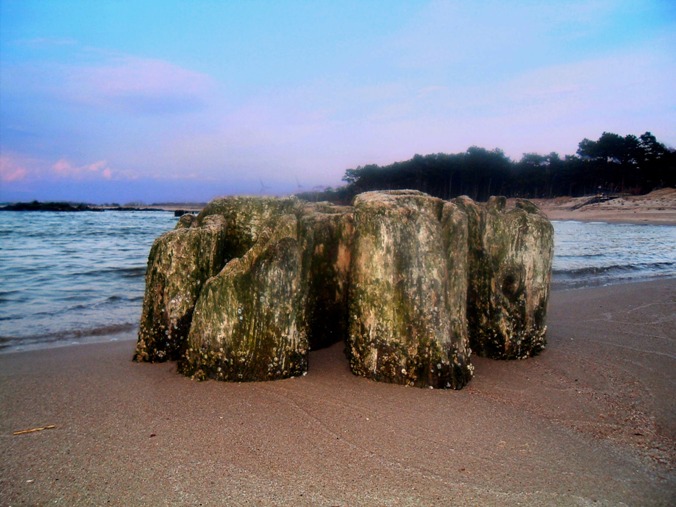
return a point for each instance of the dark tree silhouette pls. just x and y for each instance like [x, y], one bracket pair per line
[611, 164]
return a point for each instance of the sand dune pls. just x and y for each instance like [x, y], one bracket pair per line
[658, 207]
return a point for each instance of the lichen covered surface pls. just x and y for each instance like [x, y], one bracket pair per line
[246, 321]
[511, 254]
[400, 301]
[247, 217]
[242, 291]
[179, 263]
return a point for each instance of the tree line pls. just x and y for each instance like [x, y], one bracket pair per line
[612, 164]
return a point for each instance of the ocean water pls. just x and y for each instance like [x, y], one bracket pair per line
[599, 253]
[73, 277]
[70, 278]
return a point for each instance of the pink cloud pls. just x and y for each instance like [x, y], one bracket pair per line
[65, 169]
[100, 166]
[11, 170]
[16, 167]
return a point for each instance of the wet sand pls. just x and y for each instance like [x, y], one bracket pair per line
[591, 421]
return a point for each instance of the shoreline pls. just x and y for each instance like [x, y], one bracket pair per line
[590, 420]
[655, 208]
[132, 336]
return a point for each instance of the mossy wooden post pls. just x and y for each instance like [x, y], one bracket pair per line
[454, 224]
[509, 276]
[179, 263]
[400, 301]
[246, 324]
[246, 218]
[326, 242]
[246, 288]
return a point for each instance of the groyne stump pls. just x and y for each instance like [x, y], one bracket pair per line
[411, 283]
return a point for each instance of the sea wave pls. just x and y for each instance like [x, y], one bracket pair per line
[71, 336]
[135, 272]
[647, 267]
[122, 272]
[581, 256]
[114, 300]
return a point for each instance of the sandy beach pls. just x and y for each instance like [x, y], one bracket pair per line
[658, 207]
[591, 421]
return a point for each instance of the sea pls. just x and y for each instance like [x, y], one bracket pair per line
[70, 278]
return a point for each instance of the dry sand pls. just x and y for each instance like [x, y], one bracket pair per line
[658, 207]
[591, 421]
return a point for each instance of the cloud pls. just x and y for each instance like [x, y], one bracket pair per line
[98, 170]
[18, 168]
[43, 42]
[111, 83]
[140, 86]
[12, 170]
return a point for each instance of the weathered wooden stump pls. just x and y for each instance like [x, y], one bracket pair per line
[509, 276]
[179, 263]
[247, 321]
[242, 291]
[401, 302]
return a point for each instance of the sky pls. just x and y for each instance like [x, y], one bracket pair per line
[182, 101]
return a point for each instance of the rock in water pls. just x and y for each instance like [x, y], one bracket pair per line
[179, 263]
[246, 324]
[509, 272]
[403, 321]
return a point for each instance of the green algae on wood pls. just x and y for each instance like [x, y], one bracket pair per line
[246, 217]
[400, 302]
[509, 275]
[179, 263]
[246, 324]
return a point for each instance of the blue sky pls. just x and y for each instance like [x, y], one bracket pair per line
[186, 100]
